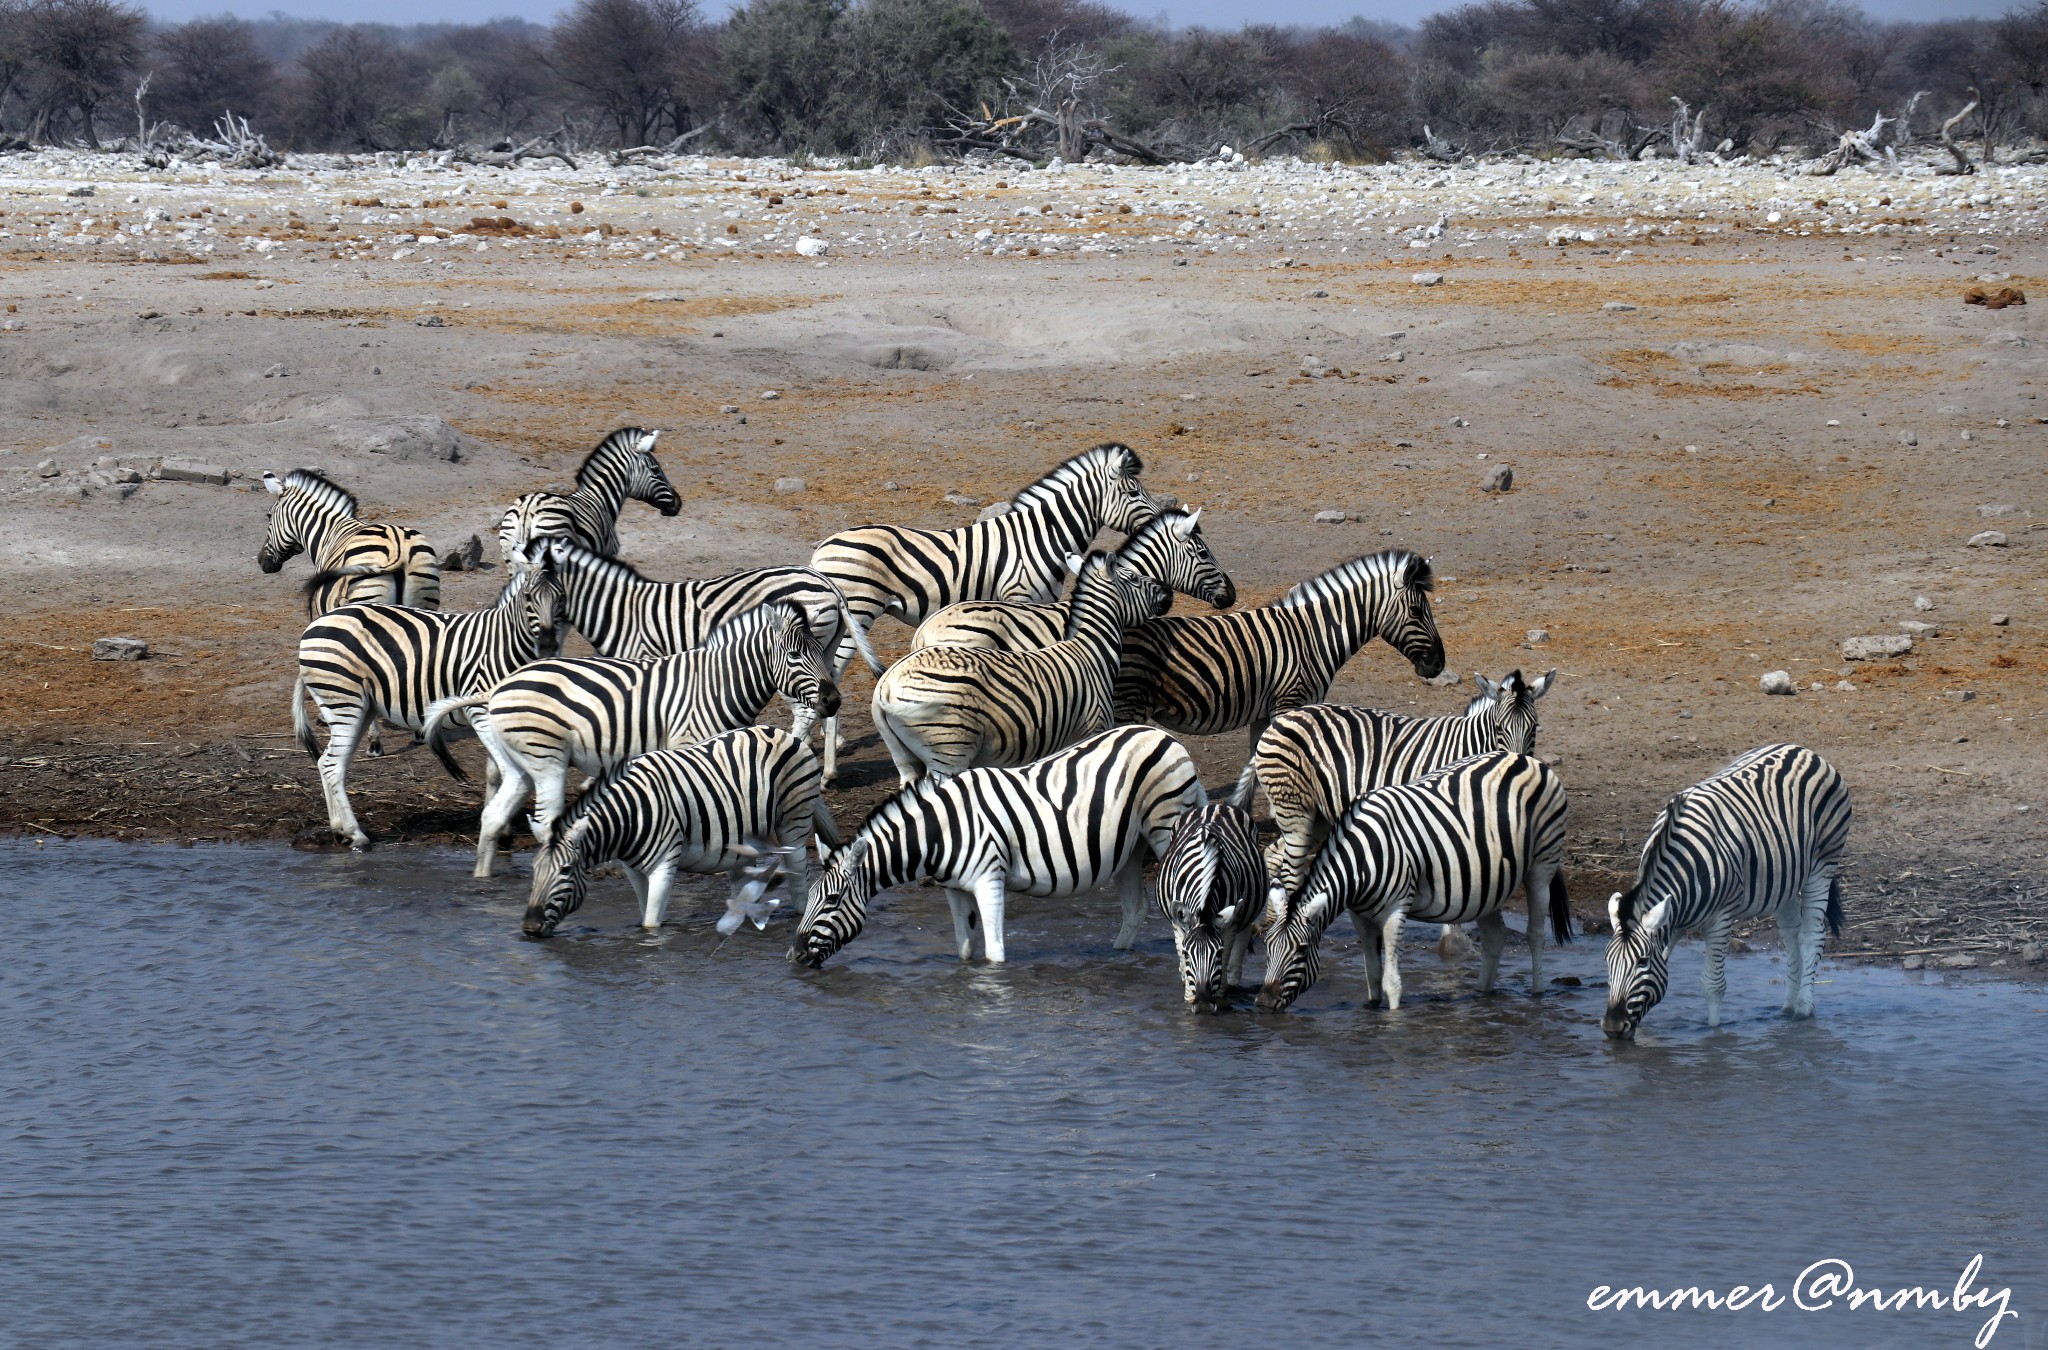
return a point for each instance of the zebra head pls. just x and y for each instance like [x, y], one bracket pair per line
[1406, 620]
[1510, 707]
[1205, 921]
[542, 603]
[1126, 506]
[1172, 549]
[1293, 934]
[1638, 961]
[803, 668]
[559, 881]
[645, 482]
[837, 907]
[305, 504]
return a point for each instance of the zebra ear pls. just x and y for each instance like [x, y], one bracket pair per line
[1186, 526]
[273, 484]
[1614, 912]
[1276, 908]
[1487, 688]
[1656, 917]
[1542, 685]
[1226, 916]
[1075, 562]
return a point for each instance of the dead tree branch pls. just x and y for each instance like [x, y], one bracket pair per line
[504, 154]
[1948, 140]
[1686, 138]
[1854, 145]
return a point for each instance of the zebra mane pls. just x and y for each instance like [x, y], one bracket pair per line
[1511, 684]
[1391, 562]
[1653, 861]
[608, 569]
[1121, 457]
[329, 497]
[759, 619]
[618, 446]
[1153, 529]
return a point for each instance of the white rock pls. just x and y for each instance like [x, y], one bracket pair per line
[1914, 628]
[1427, 278]
[2000, 620]
[1987, 539]
[770, 395]
[992, 510]
[192, 471]
[810, 246]
[1922, 603]
[1876, 647]
[1331, 517]
[1499, 478]
[1617, 306]
[1778, 682]
[1538, 637]
[48, 468]
[1908, 438]
[784, 486]
[1314, 367]
[1991, 510]
[119, 649]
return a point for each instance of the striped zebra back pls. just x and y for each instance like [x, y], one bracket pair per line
[1211, 887]
[621, 468]
[1208, 674]
[354, 561]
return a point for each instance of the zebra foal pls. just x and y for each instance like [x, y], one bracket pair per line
[717, 806]
[1763, 836]
[621, 468]
[1212, 889]
[941, 710]
[1450, 847]
[591, 713]
[363, 662]
[1314, 762]
[1203, 675]
[1059, 827]
[1170, 549]
[355, 562]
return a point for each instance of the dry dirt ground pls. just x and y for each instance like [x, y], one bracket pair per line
[1791, 434]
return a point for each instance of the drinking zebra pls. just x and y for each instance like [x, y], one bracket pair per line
[623, 614]
[1218, 672]
[941, 710]
[1315, 761]
[718, 806]
[362, 662]
[1169, 549]
[1059, 827]
[591, 713]
[621, 467]
[355, 562]
[1212, 888]
[1763, 836]
[1450, 847]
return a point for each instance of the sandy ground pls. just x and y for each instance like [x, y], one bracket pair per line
[1748, 415]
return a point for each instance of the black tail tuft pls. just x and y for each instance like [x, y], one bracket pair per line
[1560, 910]
[1835, 906]
[440, 748]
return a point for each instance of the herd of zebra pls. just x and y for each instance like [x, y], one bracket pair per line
[1035, 738]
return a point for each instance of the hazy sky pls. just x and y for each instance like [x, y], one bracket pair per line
[1216, 13]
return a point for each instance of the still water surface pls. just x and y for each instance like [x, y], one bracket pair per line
[258, 1097]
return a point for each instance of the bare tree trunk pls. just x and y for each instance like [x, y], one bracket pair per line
[92, 140]
[1948, 140]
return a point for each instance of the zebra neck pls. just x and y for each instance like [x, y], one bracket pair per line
[1092, 618]
[1063, 523]
[315, 528]
[600, 606]
[748, 680]
[1342, 621]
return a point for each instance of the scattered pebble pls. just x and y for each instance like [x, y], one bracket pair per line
[785, 486]
[1908, 438]
[1777, 682]
[1922, 603]
[1876, 647]
[960, 499]
[1960, 961]
[430, 321]
[1330, 517]
[812, 247]
[48, 468]
[1914, 628]
[770, 395]
[1499, 478]
[1538, 637]
[2000, 620]
[1428, 278]
[119, 649]
[728, 407]
[1314, 367]
[1987, 539]
[1960, 695]
[1617, 306]
[1913, 963]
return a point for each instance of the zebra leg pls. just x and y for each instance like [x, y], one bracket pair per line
[1390, 952]
[963, 921]
[1536, 886]
[344, 733]
[496, 823]
[988, 898]
[1248, 778]
[1812, 932]
[1493, 936]
[654, 900]
[1369, 948]
[1233, 969]
[903, 748]
[1714, 974]
[1130, 890]
[550, 792]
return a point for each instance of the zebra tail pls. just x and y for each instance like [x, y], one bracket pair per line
[435, 732]
[302, 724]
[827, 828]
[860, 638]
[1560, 910]
[1835, 906]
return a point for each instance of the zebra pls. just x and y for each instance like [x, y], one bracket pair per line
[623, 614]
[591, 713]
[1217, 672]
[621, 467]
[1315, 761]
[1059, 827]
[717, 806]
[355, 562]
[1449, 847]
[1170, 549]
[1212, 889]
[944, 709]
[362, 662]
[1020, 555]
[1763, 836]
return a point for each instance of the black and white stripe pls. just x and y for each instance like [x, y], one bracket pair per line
[363, 662]
[1212, 889]
[721, 805]
[591, 713]
[1064, 825]
[1170, 549]
[1218, 672]
[623, 614]
[1450, 847]
[355, 562]
[942, 710]
[1314, 762]
[621, 468]
[1763, 836]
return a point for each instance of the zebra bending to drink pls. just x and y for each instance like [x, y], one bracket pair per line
[1217, 672]
[1315, 761]
[944, 709]
[718, 806]
[1062, 826]
[355, 562]
[1170, 549]
[622, 467]
[1450, 847]
[362, 662]
[1212, 888]
[623, 614]
[591, 713]
[1763, 836]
